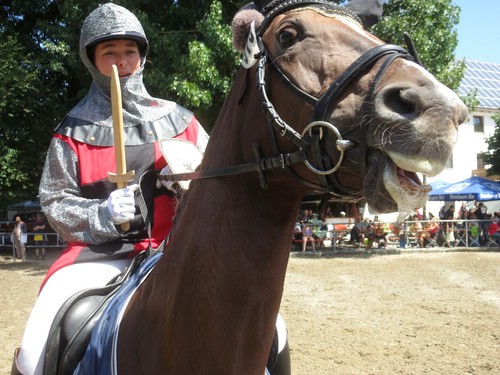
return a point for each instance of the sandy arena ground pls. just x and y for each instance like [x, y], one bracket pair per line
[432, 313]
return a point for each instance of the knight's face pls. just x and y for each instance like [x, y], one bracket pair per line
[123, 53]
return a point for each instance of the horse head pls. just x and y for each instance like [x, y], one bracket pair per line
[367, 116]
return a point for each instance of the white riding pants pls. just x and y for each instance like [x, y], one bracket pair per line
[60, 286]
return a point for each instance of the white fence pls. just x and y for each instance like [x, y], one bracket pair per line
[452, 233]
[51, 240]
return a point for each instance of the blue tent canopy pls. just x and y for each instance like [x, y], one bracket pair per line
[472, 188]
[438, 183]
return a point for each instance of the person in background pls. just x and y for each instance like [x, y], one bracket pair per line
[473, 229]
[308, 235]
[379, 234]
[356, 234]
[481, 212]
[40, 238]
[448, 228]
[399, 232]
[78, 199]
[323, 232]
[430, 231]
[19, 237]
[474, 234]
[464, 212]
[297, 231]
[442, 213]
[494, 230]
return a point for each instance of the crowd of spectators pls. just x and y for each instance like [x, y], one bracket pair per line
[468, 226]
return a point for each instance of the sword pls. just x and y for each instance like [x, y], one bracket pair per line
[121, 177]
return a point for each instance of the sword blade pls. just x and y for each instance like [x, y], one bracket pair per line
[121, 176]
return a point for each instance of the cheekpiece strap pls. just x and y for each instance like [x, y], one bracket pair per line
[252, 49]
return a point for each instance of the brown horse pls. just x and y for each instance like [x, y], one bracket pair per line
[210, 304]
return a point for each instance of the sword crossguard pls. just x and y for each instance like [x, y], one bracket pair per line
[121, 179]
[121, 182]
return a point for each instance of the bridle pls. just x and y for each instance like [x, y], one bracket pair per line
[316, 133]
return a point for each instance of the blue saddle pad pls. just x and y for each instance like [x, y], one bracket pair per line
[99, 358]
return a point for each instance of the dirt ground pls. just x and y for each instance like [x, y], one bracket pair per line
[433, 313]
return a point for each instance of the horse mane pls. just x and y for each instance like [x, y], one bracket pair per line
[181, 201]
[181, 204]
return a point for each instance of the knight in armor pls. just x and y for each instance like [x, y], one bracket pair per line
[79, 201]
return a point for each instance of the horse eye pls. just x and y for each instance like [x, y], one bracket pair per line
[287, 37]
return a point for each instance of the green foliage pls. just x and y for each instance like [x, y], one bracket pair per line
[492, 156]
[431, 24]
[20, 107]
[207, 70]
[470, 100]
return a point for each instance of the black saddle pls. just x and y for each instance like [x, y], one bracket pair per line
[70, 332]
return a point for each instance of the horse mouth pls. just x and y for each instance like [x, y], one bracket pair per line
[405, 187]
[392, 183]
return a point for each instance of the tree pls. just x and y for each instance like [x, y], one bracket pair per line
[20, 128]
[492, 156]
[431, 25]
[201, 76]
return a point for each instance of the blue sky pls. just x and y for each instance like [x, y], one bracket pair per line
[479, 30]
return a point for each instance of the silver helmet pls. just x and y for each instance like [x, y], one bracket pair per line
[111, 21]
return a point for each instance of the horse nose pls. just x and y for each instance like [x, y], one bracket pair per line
[410, 101]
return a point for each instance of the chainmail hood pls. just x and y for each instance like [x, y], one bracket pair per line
[110, 21]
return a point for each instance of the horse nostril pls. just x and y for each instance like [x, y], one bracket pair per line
[403, 101]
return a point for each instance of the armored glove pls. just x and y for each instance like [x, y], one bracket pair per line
[121, 204]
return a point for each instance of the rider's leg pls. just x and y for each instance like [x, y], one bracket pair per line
[282, 364]
[61, 285]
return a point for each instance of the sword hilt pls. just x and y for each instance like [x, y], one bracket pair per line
[121, 182]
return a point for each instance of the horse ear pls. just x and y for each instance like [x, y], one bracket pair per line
[369, 11]
[240, 25]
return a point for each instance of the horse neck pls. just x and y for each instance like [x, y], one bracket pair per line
[235, 212]
[216, 290]
[239, 201]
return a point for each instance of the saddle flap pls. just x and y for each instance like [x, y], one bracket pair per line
[181, 156]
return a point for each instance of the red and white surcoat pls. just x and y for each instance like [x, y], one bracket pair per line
[75, 186]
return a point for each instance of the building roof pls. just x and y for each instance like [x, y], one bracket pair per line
[485, 78]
